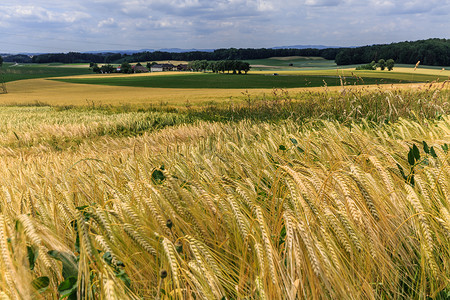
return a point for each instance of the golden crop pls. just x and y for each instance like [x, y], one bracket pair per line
[246, 210]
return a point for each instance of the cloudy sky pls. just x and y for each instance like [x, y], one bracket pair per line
[84, 25]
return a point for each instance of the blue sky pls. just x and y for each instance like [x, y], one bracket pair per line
[84, 25]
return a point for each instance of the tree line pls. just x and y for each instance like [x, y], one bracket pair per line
[235, 66]
[69, 58]
[434, 52]
[382, 64]
[431, 52]
[216, 55]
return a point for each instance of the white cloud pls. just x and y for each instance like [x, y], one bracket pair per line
[323, 2]
[110, 22]
[36, 14]
[220, 23]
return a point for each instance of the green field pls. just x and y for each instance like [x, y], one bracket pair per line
[305, 72]
[253, 81]
[12, 72]
[297, 62]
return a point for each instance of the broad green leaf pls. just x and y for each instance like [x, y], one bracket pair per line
[158, 176]
[68, 288]
[124, 277]
[401, 171]
[41, 284]
[32, 256]
[432, 152]
[426, 149]
[282, 147]
[416, 152]
[411, 159]
[69, 263]
[294, 141]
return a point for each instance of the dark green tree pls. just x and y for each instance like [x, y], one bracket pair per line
[151, 64]
[107, 68]
[390, 64]
[126, 68]
[1, 61]
[381, 64]
[96, 68]
[245, 67]
[113, 57]
[371, 66]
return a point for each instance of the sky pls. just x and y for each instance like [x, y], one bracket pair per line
[89, 25]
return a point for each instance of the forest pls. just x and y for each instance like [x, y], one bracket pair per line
[432, 52]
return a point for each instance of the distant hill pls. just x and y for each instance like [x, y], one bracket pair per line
[130, 52]
[170, 50]
[307, 47]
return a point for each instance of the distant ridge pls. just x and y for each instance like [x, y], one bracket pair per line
[174, 50]
[180, 50]
[307, 47]
[129, 52]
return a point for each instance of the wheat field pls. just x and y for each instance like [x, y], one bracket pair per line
[184, 209]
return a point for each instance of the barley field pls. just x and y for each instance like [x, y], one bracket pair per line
[331, 195]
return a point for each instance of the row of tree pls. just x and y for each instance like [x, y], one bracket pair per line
[235, 66]
[19, 58]
[432, 52]
[70, 58]
[382, 64]
[103, 69]
[216, 55]
[125, 68]
[233, 54]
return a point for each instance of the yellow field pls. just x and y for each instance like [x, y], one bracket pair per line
[335, 195]
[444, 72]
[61, 93]
[347, 72]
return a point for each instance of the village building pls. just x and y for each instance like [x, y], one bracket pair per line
[183, 67]
[162, 67]
[140, 69]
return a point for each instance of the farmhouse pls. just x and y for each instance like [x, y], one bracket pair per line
[140, 69]
[162, 67]
[183, 67]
